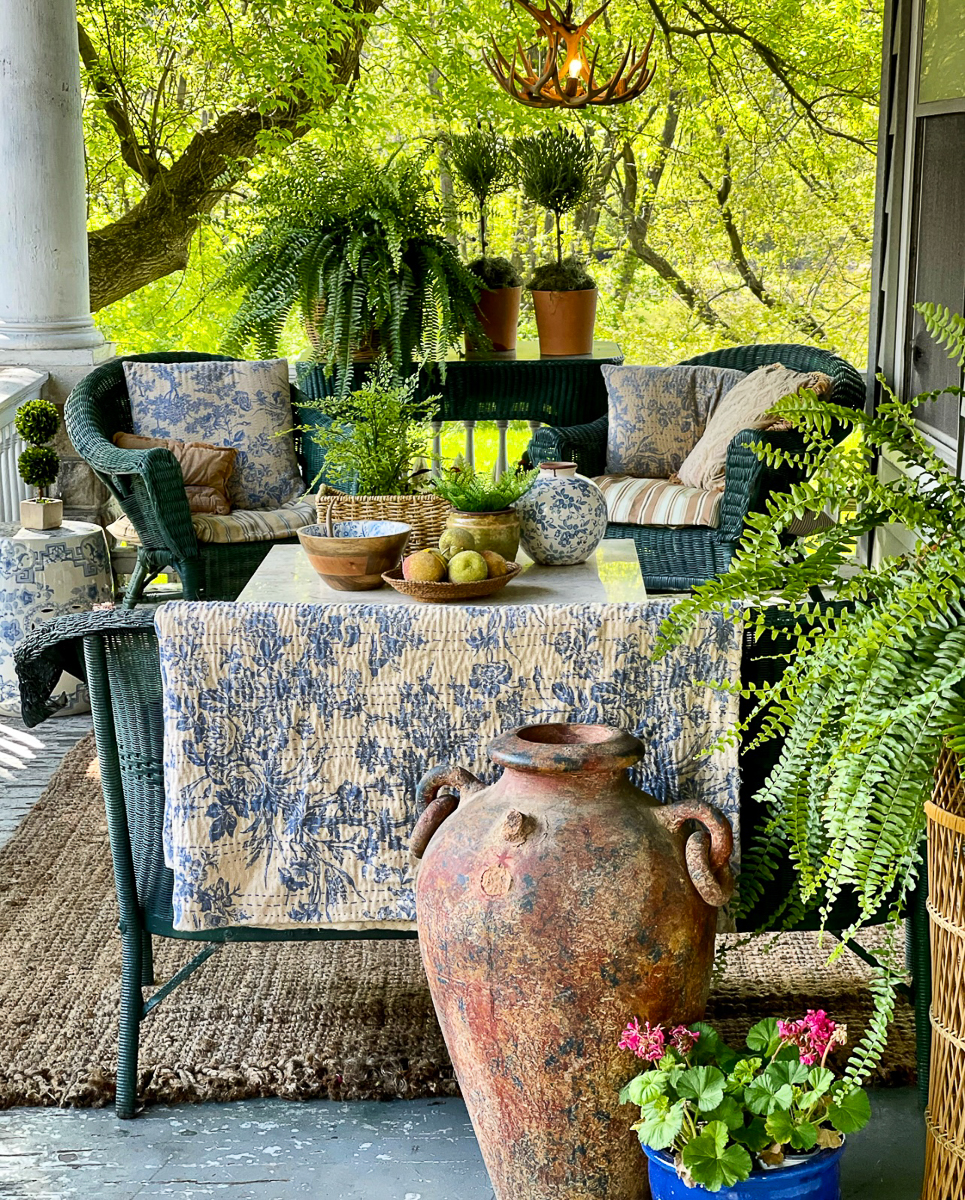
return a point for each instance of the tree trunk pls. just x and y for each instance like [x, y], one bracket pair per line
[154, 238]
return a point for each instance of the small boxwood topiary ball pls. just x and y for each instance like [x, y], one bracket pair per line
[37, 421]
[38, 466]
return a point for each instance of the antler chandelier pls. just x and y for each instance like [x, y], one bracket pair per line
[562, 76]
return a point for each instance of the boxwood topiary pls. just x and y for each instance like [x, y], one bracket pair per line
[38, 467]
[37, 422]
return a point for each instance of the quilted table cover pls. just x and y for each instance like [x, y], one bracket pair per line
[295, 735]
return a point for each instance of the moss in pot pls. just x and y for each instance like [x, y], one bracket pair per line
[483, 505]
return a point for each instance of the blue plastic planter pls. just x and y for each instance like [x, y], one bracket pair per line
[817, 1179]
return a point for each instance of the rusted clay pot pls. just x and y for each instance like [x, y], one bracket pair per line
[552, 907]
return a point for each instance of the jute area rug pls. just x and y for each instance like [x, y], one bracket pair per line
[341, 1021]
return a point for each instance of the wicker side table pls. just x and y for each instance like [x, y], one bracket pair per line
[45, 574]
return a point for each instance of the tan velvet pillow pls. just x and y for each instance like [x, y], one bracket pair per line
[205, 468]
[746, 406]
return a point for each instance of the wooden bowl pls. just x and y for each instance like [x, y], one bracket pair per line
[356, 557]
[442, 593]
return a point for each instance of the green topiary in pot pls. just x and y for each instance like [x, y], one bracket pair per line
[484, 165]
[37, 422]
[560, 171]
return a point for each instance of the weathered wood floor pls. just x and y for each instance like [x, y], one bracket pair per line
[28, 758]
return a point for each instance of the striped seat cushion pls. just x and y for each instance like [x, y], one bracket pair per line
[240, 525]
[633, 501]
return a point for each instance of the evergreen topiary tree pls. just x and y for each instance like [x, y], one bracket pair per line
[37, 422]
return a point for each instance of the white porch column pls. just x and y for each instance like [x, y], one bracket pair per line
[44, 283]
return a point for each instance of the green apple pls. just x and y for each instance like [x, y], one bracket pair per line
[467, 567]
[454, 540]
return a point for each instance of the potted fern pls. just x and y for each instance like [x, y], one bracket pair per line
[559, 171]
[875, 688]
[482, 504]
[484, 165]
[355, 248]
[37, 422]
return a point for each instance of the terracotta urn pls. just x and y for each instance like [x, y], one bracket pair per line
[497, 531]
[498, 312]
[564, 322]
[552, 907]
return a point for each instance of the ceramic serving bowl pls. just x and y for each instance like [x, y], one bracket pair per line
[354, 558]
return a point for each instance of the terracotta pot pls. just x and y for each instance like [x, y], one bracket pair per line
[498, 313]
[564, 321]
[497, 531]
[552, 907]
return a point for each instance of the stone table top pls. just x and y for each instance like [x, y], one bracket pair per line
[610, 575]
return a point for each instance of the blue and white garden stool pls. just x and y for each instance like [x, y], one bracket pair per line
[44, 574]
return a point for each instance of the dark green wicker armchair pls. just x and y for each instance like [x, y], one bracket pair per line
[149, 486]
[677, 559]
[117, 653]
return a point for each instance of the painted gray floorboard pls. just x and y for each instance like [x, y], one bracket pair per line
[281, 1150]
[28, 758]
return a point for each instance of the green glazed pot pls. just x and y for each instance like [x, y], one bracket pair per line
[497, 531]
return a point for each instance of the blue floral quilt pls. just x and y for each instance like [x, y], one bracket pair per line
[295, 735]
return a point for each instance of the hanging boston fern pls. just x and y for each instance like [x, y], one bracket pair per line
[355, 247]
[875, 686]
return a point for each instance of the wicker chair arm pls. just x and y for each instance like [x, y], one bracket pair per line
[748, 481]
[57, 646]
[583, 444]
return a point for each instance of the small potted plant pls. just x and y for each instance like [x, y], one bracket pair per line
[559, 171]
[374, 441]
[482, 505]
[37, 423]
[483, 162]
[768, 1120]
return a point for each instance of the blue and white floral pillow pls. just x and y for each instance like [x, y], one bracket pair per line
[658, 414]
[246, 405]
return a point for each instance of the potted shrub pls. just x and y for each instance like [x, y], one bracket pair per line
[355, 248]
[484, 164]
[768, 1120]
[559, 171]
[876, 687]
[37, 423]
[374, 441]
[483, 505]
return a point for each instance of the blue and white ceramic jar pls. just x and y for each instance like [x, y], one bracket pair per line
[562, 518]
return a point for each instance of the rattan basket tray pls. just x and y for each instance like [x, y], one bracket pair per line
[444, 593]
[425, 512]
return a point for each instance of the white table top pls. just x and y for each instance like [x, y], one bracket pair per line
[610, 575]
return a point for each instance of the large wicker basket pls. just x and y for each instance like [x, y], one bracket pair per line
[426, 513]
[945, 1114]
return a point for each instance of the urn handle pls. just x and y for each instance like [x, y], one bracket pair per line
[708, 850]
[436, 804]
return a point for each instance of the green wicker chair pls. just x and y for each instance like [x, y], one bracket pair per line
[149, 486]
[677, 559]
[117, 653]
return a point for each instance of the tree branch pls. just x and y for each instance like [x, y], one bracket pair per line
[140, 160]
[153, 239]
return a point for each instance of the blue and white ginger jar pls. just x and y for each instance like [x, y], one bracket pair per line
[562, 518]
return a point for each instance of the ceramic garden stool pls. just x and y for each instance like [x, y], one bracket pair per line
[45, 574]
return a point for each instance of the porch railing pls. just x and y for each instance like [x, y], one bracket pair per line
[17, 384]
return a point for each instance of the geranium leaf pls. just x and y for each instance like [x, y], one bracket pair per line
[703, 1085]
[850, 1112]
[787, 1072]
[660, 1123]
[765, 1095]
[753, 1135]
[644, 1087]
[783, 1128]
[728, 1111]
[713, 1163]
[820, 1079]
[764, 1038]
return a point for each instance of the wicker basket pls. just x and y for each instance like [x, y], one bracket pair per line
[945, 1114]
[426, 513]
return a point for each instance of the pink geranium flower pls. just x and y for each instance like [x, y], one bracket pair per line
[683, 1039]
[814, 1035]
[646, 1043]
